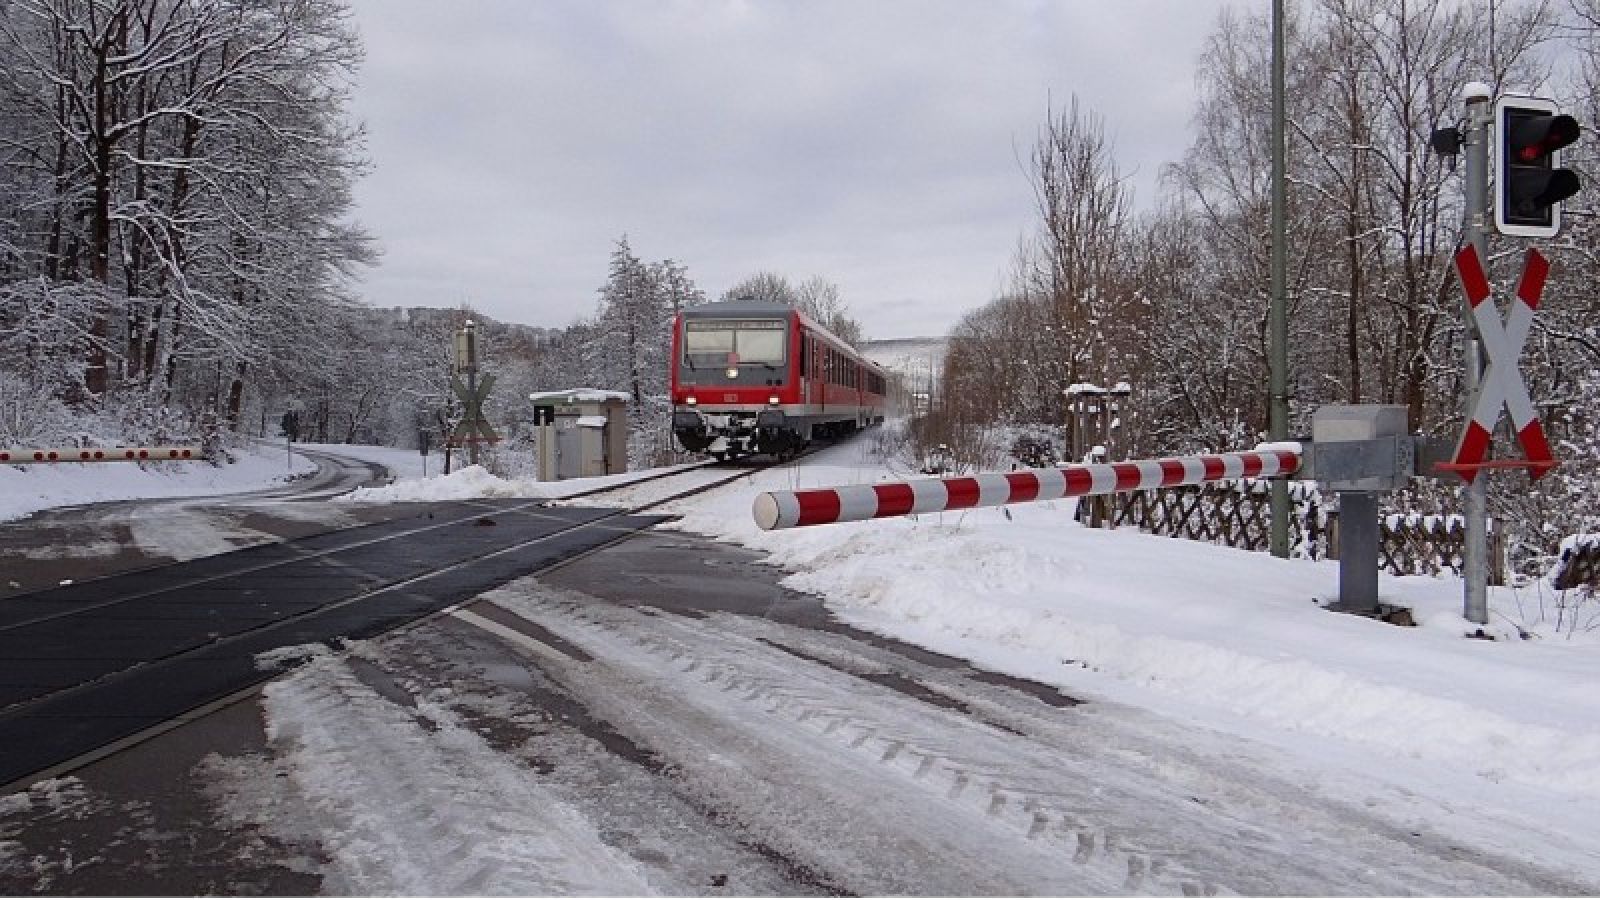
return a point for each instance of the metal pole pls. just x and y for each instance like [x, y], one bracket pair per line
[1278, 316]
[472, 389]
[1475, 149]
[1358, 552]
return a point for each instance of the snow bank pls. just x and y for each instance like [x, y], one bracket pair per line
[476, 482]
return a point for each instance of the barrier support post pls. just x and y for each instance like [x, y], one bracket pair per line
[1358, 553]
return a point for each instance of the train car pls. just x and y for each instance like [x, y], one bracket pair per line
[751, 377]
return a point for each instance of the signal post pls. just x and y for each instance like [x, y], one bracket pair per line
[1529, 134]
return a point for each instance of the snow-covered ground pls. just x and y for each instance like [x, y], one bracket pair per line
[1231, 641]
[472, 482]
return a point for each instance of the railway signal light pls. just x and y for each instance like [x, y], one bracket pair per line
[1530, 183]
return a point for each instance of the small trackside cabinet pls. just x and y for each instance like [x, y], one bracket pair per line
[588, 437]
[1365, 447]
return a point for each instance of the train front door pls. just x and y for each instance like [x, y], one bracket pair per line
[816, 383]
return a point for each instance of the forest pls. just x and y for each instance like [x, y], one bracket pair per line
[179, 259]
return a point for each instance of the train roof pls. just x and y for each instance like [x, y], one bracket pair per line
[738, 309]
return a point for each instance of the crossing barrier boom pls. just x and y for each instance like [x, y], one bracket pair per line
[855, 503]
[16, 457]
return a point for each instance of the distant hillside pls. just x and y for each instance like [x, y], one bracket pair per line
[914, 358]
[448, 319]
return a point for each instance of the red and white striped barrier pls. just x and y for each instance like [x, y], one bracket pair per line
[92, 454]
[854, 503]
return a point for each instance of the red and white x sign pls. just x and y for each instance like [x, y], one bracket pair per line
[1501, 385]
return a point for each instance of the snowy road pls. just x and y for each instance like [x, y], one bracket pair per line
[662, 717]
[549, 741]
[78, 542]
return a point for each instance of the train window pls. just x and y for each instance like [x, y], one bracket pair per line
[707, 342]
[805, 356]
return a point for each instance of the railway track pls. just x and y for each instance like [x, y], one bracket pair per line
[646, 493]
[89, 668]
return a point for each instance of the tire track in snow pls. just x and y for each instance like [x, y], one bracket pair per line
[945, 761]
[411, 802]
[1132, 809]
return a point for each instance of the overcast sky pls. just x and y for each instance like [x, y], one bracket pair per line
[875, 144]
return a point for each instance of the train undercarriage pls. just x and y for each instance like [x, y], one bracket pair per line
[727, 435]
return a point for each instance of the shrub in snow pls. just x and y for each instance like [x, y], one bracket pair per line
[30, 415]
[1033, 451]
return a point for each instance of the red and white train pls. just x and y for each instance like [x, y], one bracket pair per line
[751, 377]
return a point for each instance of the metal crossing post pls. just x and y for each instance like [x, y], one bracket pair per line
[1475, 146]
[1278, 315]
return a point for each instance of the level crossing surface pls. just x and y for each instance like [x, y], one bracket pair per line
[84, 666]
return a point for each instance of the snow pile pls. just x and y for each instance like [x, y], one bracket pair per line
[475, 482]
[462, 484]
[1579, 543]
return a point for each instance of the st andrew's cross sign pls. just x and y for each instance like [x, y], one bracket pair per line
[1501, 386]
[473, 427]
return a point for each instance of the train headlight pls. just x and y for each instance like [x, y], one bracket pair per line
[733, 372]
[773, 400]
[692, 401]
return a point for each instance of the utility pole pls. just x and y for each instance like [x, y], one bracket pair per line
[1474, 230]
[1278, 314]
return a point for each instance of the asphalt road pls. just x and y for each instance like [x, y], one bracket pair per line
[74, 544]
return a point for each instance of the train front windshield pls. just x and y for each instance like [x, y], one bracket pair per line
[713, 345]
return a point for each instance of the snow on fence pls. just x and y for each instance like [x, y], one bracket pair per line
[1231, 513]
[853, 503]
[1236, 514]
[1578, 564]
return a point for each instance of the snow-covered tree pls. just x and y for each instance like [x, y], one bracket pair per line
[189, 161]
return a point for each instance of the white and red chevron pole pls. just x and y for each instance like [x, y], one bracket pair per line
[854, 503]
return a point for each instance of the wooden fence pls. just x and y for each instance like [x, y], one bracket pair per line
[1237, 514]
